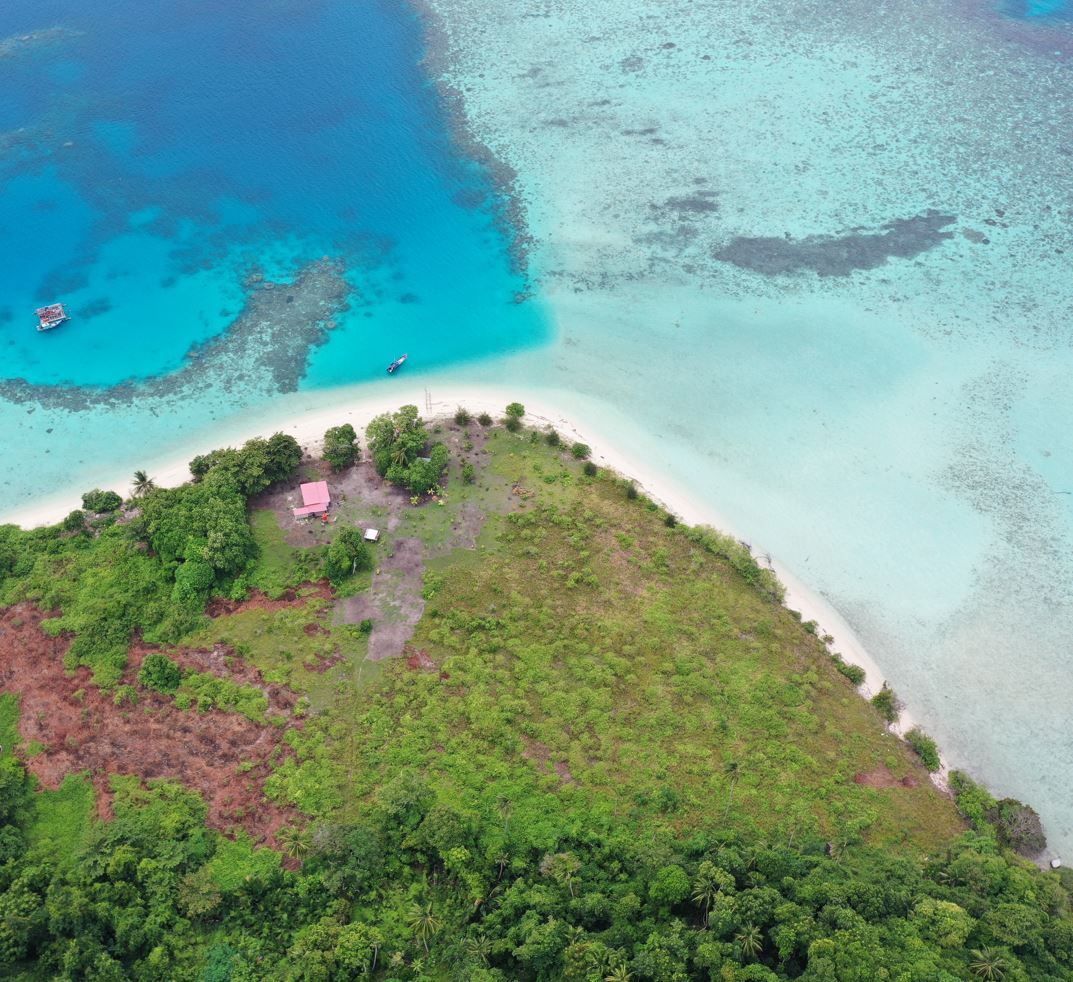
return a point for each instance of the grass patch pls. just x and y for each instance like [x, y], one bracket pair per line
[9, 722]
[237, 861]
[61, 819]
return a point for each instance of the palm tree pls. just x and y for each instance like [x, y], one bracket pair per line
[423, 923]
[561, 868]
[750, 941]
[505, 808]
[477, 948]
[988, 964]
[143, 484]
[295, 841]
[706, 888]
[620, 973]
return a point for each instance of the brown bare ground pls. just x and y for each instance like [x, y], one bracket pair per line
[219, 606]
[82, 729]
[880, 777]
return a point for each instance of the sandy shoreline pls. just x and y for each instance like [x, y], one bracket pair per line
[348, 406]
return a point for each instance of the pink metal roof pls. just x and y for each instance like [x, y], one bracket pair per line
[316, 493]
[310, 510]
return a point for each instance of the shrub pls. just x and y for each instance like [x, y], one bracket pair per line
[484, 419]
[591, 470]
[669, 520]
[1018, 826]
[515, 410]
[340, 446]
[424, 475]
[161, 673]
[462, 416]
[469, 473]
[631, 491]
[925, 746]
[101, 501]
[192, 582]
[366, 626]
[346, 555]
[886, 702]
[973, 800]
[552, 438]
[581, 451]
[125, 695]
[74, 522]
[513, 424]
[854, 673]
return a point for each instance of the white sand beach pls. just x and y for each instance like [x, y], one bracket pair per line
[357, 407]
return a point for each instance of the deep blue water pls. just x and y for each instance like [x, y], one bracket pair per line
[150, 152]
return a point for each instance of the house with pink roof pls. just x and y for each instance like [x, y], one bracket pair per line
[315, 499]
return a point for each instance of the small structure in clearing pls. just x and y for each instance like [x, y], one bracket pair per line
[372, 535]
[315, 500]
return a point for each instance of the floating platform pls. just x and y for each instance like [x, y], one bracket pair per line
[51, 316]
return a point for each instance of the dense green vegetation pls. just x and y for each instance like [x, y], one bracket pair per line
[396, 442]
[340, 446]
[612, 754]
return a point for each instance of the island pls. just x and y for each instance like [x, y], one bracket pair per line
[448, 699]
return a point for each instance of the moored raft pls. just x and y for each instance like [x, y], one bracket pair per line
[50, 316]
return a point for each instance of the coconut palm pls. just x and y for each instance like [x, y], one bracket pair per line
[706, 888]
[620, 973]
[295, 841]
[750, 941]
[143, 484]
[988, 964]
[423, 923]
[478, 948]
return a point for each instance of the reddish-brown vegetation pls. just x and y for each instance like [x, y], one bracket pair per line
[82, 730]
[219, 606]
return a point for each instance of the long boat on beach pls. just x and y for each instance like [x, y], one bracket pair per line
[50, 316]
[396, 364]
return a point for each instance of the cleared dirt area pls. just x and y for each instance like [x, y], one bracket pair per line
[74, 727]
[365, 497]
[882, 778]
[393, 602]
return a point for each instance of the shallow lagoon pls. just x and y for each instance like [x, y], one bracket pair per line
[155, 169]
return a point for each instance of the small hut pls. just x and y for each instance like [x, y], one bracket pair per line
[315, 499]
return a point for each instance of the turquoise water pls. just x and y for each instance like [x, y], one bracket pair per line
[149, 162]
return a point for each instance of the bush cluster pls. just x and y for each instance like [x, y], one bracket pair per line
[396, 441]
[926, 748]
[100, 501]
[340, 446]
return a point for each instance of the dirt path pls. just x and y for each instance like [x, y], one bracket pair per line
[393, 602]
[80, 728]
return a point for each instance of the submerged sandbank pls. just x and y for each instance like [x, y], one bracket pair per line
[358, 408]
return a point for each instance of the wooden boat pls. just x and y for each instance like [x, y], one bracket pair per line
[396, 364]
[51, 316]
